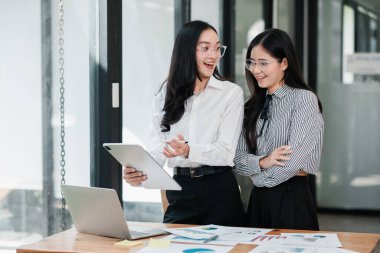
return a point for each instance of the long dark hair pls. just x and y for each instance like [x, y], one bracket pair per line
[279, 45]
[183, 72]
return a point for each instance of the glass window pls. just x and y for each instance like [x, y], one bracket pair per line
[349, 164]
[360, 36]
[249, 23]
[200, 10]
[348, 39]
[29, 104]
[283, 15]
[21, 132]
[146, 60]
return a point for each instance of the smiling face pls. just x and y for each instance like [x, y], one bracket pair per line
[207, 57]
[268, 71]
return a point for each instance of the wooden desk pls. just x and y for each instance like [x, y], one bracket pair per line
[72, 241]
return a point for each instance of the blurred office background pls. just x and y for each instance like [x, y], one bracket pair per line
[61, 62]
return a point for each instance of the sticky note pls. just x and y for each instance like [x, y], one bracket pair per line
[127, 243]
[158, 243]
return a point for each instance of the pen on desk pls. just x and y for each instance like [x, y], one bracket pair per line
[212, 238]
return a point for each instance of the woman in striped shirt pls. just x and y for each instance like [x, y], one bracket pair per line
[282, 136]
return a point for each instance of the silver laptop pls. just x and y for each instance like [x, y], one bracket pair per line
[98, 211]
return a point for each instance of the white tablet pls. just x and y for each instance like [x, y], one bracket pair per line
[133, 155]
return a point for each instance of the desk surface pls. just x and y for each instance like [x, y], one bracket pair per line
[72, 241]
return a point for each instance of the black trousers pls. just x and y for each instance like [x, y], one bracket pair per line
[212, 199]
[288, 205]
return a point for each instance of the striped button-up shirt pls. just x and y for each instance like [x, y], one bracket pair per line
[295, 120]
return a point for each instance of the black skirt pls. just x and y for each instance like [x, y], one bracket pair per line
[288, 205]
[210, 199]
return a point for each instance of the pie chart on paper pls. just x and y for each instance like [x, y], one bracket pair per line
[209, 228]
[197, 250]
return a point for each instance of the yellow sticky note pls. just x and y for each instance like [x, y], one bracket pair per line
[159, 243]
[127, 243]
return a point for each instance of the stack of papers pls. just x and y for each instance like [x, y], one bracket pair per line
[267, 248]
[299, 242]
[186, 248]
[319, 240]
[214, 234]
[205, 239]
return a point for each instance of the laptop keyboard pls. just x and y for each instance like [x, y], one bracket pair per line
[137, 234]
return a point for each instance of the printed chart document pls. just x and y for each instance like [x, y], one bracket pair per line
[216, 235]
[245, 235]
[216, 241]
[269, 239]
[187, 248]
[222, 230]
[318, 240]
[268, 248]
[208, 238]
[192, 232]
[334, 250]
[326, 240]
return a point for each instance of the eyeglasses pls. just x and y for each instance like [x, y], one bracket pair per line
[218, 51]
[262, 64]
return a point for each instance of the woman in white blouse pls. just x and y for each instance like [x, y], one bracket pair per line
[282, 136]
[197, 118]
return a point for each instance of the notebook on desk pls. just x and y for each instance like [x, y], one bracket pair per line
[98, 211]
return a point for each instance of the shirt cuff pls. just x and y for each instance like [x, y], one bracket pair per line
[195, 154]
[253, 163]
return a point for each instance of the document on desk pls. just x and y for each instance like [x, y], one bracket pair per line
[269, 239]
[318, 240]
[225, 235]
[267, 248]
[333, 250]
[187, 248]
[200, 232]
[191, 232]
[245, 235]
[217, 229]
[327, 240]
[181, 239]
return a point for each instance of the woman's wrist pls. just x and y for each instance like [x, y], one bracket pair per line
[187, 150]
[261, 162]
